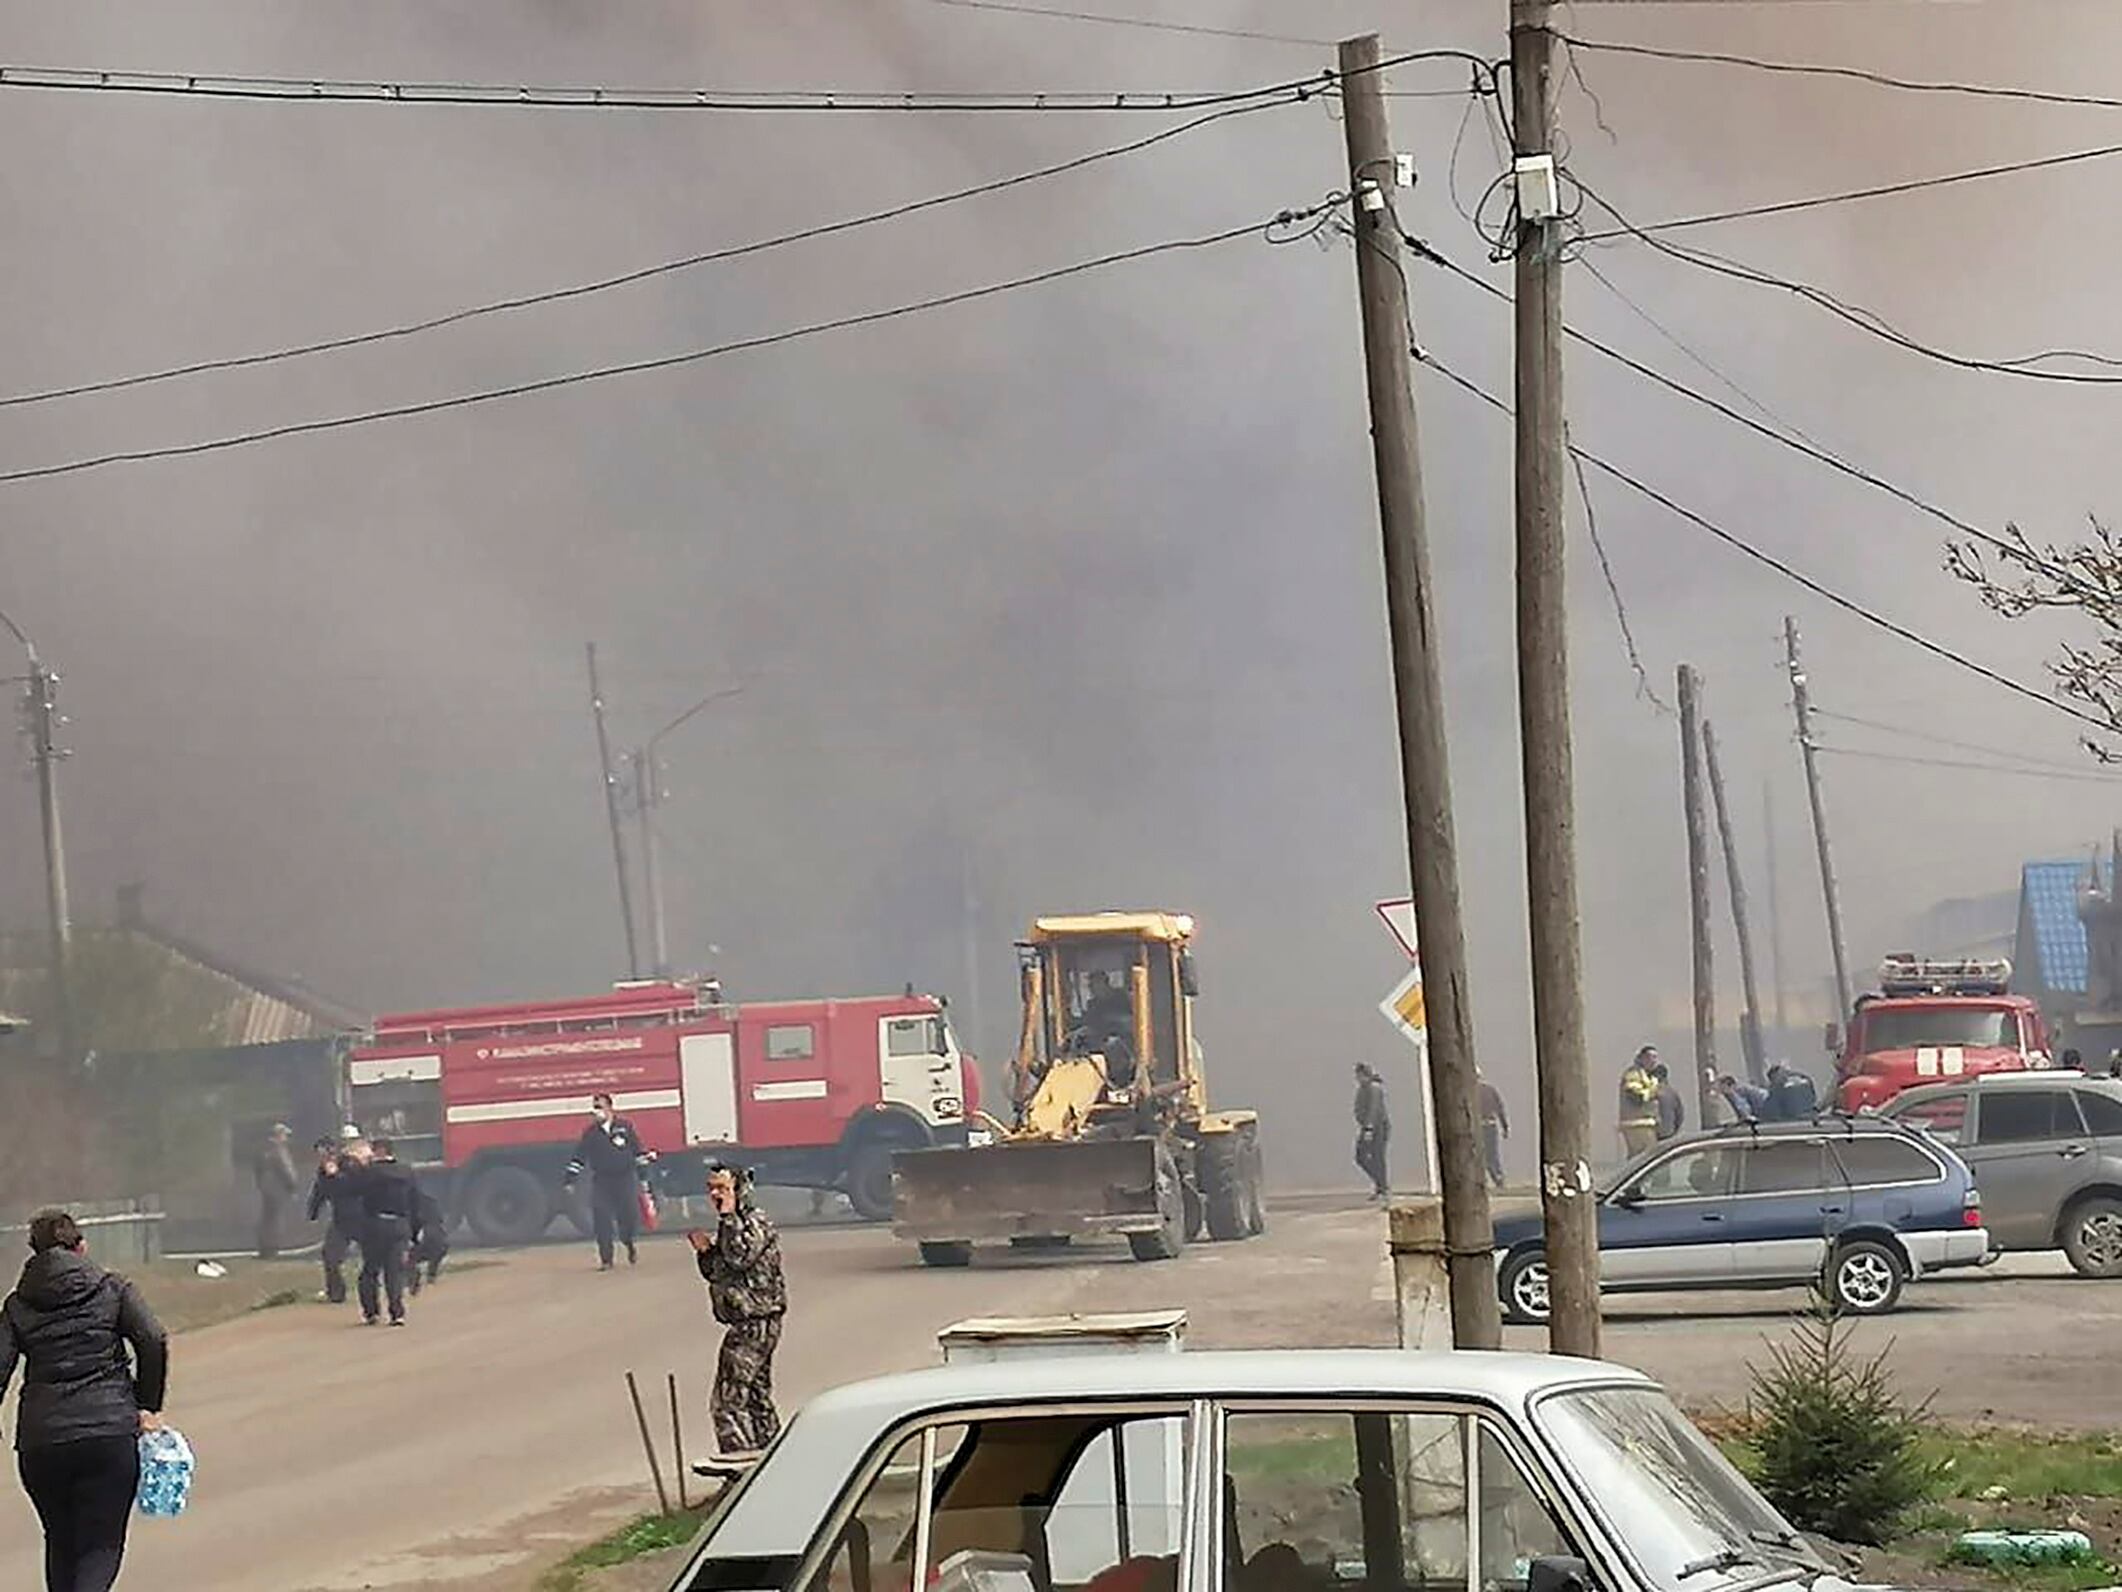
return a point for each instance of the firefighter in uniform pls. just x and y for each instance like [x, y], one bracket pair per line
[337, 1186]
[741, 1264]
[610, 1151]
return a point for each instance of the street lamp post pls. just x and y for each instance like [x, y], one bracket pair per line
[647, 797]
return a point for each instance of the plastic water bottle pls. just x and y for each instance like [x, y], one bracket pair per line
[165, 1473]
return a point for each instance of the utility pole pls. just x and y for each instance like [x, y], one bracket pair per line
[611, 814]
[1735, 885]
[1418, 690]
[42, 702]
[646, 798]
[1775, 912]
[1705, 980]
[1802, 705]
[1543, 700]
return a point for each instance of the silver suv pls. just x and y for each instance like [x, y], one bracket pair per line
[2046, 1149]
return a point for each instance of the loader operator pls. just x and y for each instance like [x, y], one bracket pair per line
[740, 1261]
[1108, 1027]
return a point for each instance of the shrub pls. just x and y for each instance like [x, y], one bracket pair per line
[1834, 1444]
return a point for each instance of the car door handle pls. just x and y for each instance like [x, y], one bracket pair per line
[1830, 1210]
[1712, 1216]
[2070, 1152]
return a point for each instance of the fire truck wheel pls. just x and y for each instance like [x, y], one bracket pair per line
[508, 1205]
[946, 1254]
[869, 1182]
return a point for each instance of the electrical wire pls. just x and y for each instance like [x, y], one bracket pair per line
[1853, 73]
[2085, 777]
[1853, 195]
[288, 90]
[1796, 444]
[1769, 560]
[1889, 728]
[1644, 688]
[1870, 321]
[640, 274]
[1059, 14]
[298, 428]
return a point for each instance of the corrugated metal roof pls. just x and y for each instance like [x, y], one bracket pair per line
[2050, 893]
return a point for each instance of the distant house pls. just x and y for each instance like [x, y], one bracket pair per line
[2051, 954]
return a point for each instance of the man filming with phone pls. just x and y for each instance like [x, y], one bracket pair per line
[741, 1263]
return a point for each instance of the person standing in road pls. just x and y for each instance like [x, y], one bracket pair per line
[741, 1263]
[390, 1226]
[1670, 1109]
[1638, 1115]
[1495, 1128]
[337, 1188]
[1374, 1129]
[611, 1152]
[69, 1324]
[274, 1171]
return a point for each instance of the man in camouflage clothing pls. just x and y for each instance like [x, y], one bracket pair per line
[741, 1263]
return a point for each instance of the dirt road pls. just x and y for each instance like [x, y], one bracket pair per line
[464, 1452]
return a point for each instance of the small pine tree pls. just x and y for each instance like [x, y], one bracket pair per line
[1835, 1445]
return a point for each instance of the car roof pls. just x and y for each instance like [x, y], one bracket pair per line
[783, 1502]
[1826, 1122]
[2030, 1078]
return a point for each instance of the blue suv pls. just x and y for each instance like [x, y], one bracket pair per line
[1856, 1206]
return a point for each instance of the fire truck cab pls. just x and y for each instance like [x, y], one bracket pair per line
[1933, 1020]
[490, 1100]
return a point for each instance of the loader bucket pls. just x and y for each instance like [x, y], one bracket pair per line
[1065, 1188]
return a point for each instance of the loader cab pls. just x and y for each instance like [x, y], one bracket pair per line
[1122, 988]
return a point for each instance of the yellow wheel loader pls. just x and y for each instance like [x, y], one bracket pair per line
[1111, 1131]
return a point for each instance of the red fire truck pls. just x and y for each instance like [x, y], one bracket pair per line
[811, 1094]
[1936, 1020]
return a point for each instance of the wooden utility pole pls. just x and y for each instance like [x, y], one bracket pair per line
[1775, 913]
[1705, 979]
[1432, 851]
[611, 814]
[1735, 884]
[42, 706]
[1802, 705]
[1543, 700]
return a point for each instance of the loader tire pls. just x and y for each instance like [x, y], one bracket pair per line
[1223, 1187]
[1255, 1192]
[946, 1254]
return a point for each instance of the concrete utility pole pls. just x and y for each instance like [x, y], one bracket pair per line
[646, 796]
[1775, 912]
[1543, 700]
[1432, 851]
[1735, 884]
[1705, 977]
[611, 814]
[1802, 705]
[41, 721]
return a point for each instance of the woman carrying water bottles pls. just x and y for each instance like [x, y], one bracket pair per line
[84, 1402]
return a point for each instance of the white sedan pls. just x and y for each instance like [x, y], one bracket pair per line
[1270, 1471]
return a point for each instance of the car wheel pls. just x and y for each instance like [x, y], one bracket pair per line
[1865, 1278]
[2092, 1237]
[1524, 1287]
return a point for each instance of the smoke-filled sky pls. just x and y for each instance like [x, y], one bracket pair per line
[1066, 599]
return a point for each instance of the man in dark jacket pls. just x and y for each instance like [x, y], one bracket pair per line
[337, 1187]
[274, 1171]
[1670, 1109]
[741, 1263]
[611, 1152]
[431, 1248]
[69, 1324]
[390, 1208]
[1374, 1129]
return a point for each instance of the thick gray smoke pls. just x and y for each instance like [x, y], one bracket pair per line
[1065, 600]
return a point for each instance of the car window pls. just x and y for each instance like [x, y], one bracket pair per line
[1783, 1166]
[1311, 1500]
[2103, 1112]
[1944, 1117]
[2017, 1116]
[874, 1547]
[1874, 1159]
[1701, 1173]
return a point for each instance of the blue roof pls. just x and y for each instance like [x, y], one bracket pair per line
[2049, 891]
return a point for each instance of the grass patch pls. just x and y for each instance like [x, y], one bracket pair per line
[637, 1539]
[2028, 1465]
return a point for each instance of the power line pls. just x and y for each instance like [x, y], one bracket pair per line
[1854, 195]
[1769, 560]
[288, 90]
[640, 274]
[664, 361]
[1059, 14]
[2085, 777]
[1888, 728]
[1853, 73]
[1796, 444]
[1870, 321]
